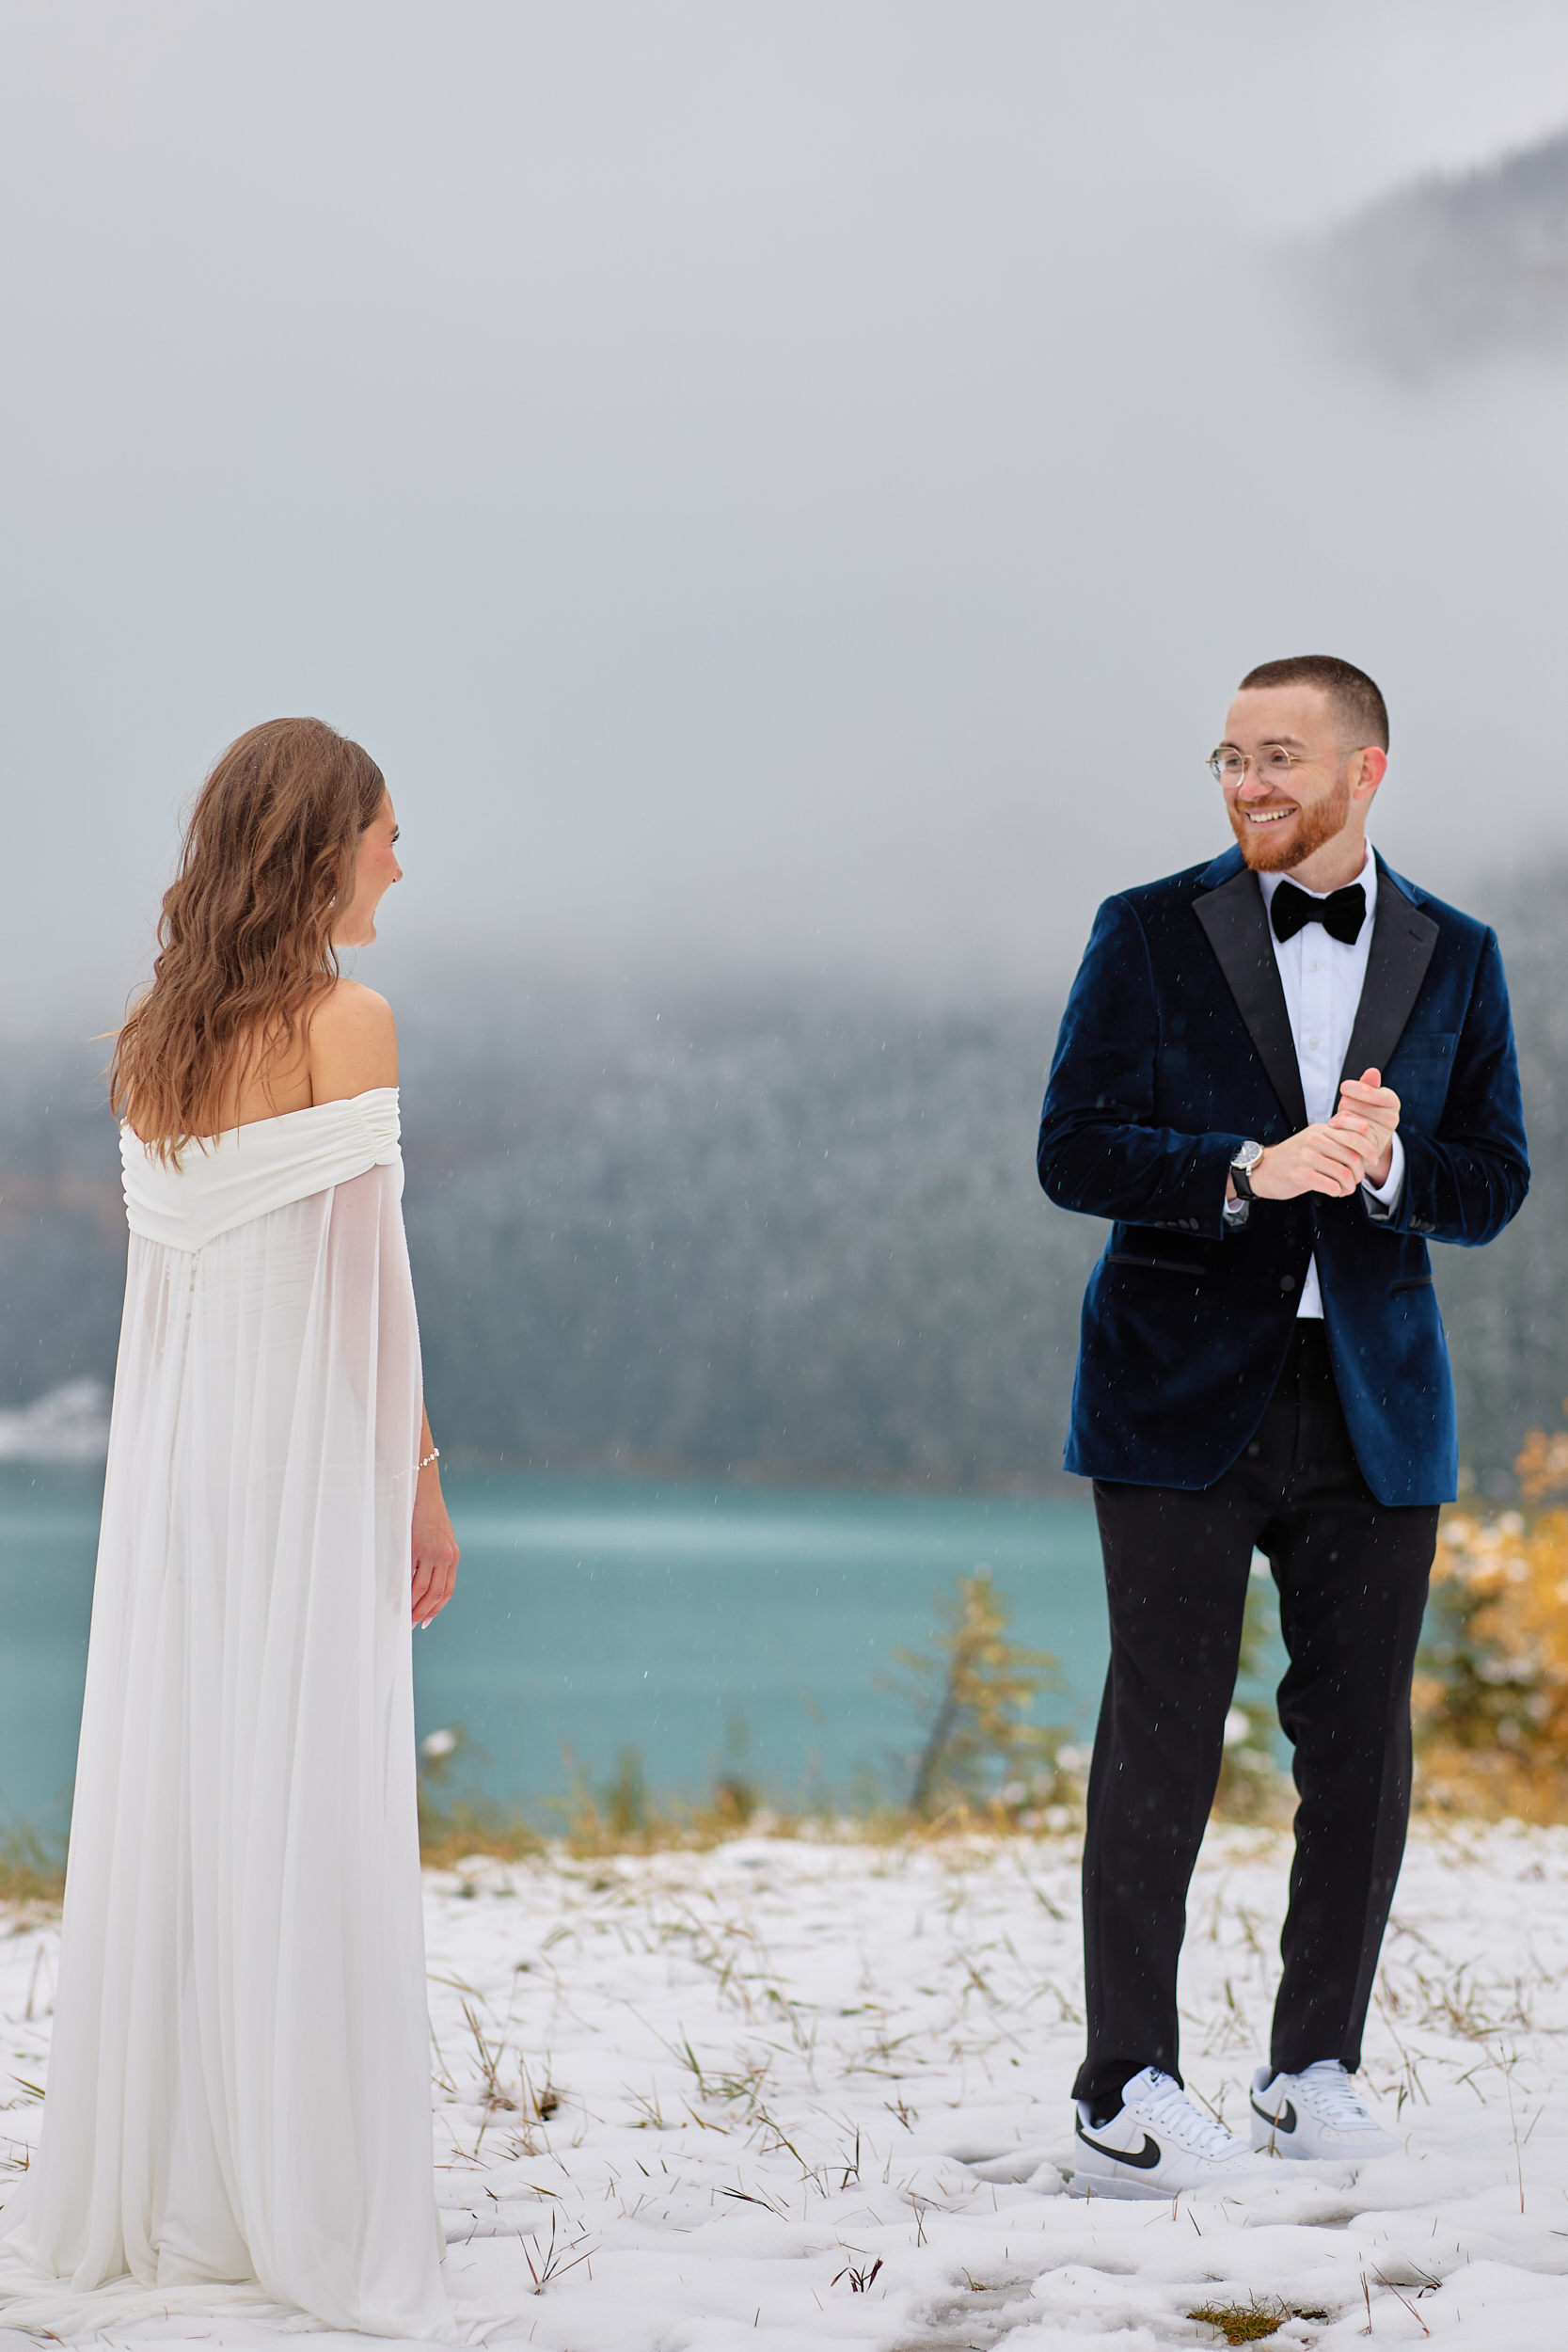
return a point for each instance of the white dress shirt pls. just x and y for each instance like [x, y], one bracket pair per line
[1321, 978]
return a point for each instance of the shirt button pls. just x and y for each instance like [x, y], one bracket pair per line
[1311, 1045]
[1286, 1282]
[1313, 966]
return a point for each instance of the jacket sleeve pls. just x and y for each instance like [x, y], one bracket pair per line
[1099, 1150]
[1466, 1182]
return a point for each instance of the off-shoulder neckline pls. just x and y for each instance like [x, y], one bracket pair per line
[281, 1119]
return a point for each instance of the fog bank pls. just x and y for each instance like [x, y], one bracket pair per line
[784, 491]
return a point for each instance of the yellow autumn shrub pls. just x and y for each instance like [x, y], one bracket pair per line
[1492, 1686]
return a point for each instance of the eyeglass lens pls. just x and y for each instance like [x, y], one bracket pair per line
[1230, 767]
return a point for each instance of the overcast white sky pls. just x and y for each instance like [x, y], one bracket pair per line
[777, 486]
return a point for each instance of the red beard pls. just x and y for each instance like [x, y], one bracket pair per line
[1318, 822]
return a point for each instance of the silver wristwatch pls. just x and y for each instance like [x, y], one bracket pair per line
[1242, 1163]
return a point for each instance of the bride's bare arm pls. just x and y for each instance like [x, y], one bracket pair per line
[434, 1545]
[353, 1047]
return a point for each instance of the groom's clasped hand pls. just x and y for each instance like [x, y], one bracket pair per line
[1353, 1147]
[1368, 1105]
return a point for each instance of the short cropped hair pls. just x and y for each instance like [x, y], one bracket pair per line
[1357, 704]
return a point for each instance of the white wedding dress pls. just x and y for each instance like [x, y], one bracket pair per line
[238, 2103]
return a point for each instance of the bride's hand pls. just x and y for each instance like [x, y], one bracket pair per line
[435, 1549]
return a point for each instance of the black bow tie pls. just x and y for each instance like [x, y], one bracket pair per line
[1341, 913]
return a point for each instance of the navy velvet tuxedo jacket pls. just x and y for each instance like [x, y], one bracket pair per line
[1175, 1048]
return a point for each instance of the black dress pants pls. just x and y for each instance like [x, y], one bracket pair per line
[1352, 1575]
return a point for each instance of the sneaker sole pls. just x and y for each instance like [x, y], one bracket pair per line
[1106, 2184]
[1146, 2190]
[1277, 2145]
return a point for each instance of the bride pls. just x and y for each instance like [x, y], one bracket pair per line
[238, 2105]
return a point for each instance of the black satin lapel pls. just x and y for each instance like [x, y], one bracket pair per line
[1238, 926]
[1402, 941]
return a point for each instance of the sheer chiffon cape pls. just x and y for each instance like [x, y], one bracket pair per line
[238, 2101]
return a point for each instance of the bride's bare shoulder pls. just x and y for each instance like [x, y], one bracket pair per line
[353, 1043]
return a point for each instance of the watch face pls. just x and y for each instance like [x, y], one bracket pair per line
[1248, 1156]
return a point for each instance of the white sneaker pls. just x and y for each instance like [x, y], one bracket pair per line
[1159, 2144]
[1318, 2113]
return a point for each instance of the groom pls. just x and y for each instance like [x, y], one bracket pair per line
[1280, 1074]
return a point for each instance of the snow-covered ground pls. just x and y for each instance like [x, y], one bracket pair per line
[816, 2094]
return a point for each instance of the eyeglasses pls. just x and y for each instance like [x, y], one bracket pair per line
[1273, 765]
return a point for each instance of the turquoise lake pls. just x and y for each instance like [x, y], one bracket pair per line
[711, 1628]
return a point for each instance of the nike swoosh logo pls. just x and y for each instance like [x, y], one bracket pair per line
[1284, 2122]
[1146, 2157]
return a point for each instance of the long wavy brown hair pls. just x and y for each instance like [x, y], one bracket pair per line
[244, 941]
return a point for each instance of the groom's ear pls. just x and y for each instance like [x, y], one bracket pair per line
[1370, 767]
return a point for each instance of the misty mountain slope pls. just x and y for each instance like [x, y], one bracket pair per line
[1453, 268]
[816, 1243]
